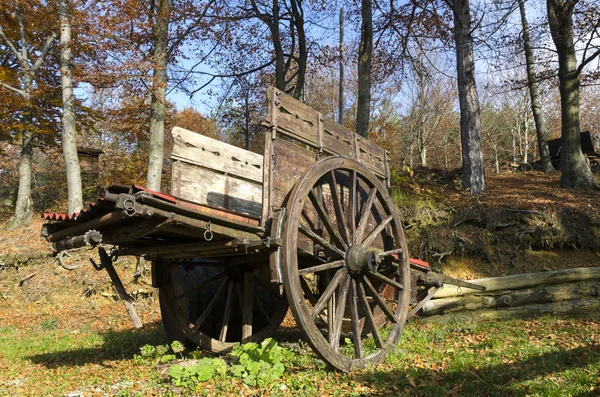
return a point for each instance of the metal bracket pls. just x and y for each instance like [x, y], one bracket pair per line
[275, 239]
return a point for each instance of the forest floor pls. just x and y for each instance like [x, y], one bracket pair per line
[65, 333]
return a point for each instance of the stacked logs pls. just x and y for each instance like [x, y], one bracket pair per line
[568, 291]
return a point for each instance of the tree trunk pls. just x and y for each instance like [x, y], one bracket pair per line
[473, 177]
[536, 107]
[69, 132]
[298, 19]
[279, 60]
[365, 52]
[247, 120]
[159, 89]
[496, 161]
[341, 85]
[526, 142]
[24, 205]
[423, 156]
[574, 170]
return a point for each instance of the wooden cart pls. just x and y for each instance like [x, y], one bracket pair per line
[241, 236]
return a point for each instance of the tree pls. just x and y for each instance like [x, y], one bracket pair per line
[574, 170]
[365, 54]
[536, 107]
[428, 108]
[29, 60]
[140, 44]
[160, 30]
[473, 177]
[69, 131]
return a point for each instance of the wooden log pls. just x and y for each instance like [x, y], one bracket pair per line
[583, 306]
[519, 281]
[541, 294]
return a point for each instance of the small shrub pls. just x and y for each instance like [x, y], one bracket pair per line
[203, 370]
[258, 365]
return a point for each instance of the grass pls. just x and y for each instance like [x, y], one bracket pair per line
[546, 356]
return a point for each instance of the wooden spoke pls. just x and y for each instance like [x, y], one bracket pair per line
[261, 309]
[334, 338]
[375, 232]
[333, 284]
[364, 217]
[308, 292]
[202, 284]
[356, 331]
[389, 253]
[386, 280]
[308, 221]
[247, 305]
[331, 313]
[211, 305]
[340, 216]
[362, 298]
[324, 217]
[352, 204]
[379, 300]
[227, 314]
[321, 241]
[324, 266]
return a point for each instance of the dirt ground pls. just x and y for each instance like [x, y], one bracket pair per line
[524, 223]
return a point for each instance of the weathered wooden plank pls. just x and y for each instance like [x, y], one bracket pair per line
[291, 162]
[523, 281]
[197, 149]
[298, 128]
[204, 186]
[297, 109]
[338, 139]
[583, 306]
[540, 294]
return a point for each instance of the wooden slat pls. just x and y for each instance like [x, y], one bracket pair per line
[207, 152]
[204, 186]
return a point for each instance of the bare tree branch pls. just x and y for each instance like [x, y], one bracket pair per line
[45, 51]
[17, 91]
[10, 45]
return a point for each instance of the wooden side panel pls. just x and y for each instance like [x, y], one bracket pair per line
[290, 163]
[197, 149]
[338, 140]
[305, 125]
[373, 157]
[205, 186]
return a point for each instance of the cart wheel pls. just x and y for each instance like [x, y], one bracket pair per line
[347, 273]
[215, 307]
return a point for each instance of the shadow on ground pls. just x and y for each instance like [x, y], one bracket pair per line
[117, 345]
[493, 380]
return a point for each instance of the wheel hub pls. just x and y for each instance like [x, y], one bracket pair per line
[359, 260]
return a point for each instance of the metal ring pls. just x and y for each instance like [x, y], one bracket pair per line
[208, 235]
[61, 256]
[129, 205]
